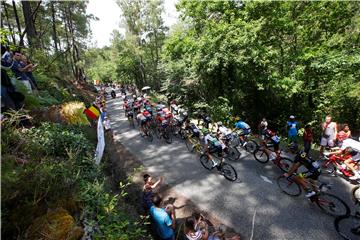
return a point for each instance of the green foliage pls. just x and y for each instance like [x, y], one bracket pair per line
[220, 109]
[52, 166]
[57, 139]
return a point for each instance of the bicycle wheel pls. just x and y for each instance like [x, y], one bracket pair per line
[233, 154]
[285, 164]
[158, 132]
[288, 186]
[235, 142]
[355, 193]
[168, 136]
[332, 205]
[131, 122]
[150, 136]
[228, 171]
[206, 162]
[251, 146]
[348, 227]
[261, 156]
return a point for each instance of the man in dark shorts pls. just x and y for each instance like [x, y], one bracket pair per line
[313, 170]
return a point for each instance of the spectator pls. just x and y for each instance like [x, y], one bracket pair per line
[343, 134]
[292, 128]
[191, 233]
[24, 63]
[164, 221]
[308, 138]
[10, 99]
[200, 223]
[329, 133]
[20, 70]
[263, 127]
[148, 188]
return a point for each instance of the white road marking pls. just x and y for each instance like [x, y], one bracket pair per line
[266, 179]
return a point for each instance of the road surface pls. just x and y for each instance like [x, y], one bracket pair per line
[254, 198]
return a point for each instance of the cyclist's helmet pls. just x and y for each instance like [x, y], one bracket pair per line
[293, 147]
[185, 114]
[351, 151]
[219, 124]
[205, 131]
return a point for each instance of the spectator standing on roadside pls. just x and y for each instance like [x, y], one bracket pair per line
[292, 128]
[263, 127]
[329, 133]
[307, 138]
[343, 134]
[164, 221]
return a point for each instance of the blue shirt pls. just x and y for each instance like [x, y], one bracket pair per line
[292, 128]
[163, 222]
[15, 68]
[242, 125]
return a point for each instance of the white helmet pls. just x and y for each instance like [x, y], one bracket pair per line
[219, 123]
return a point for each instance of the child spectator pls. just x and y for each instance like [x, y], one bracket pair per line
[308, 138]
[190, 231]
[343, 134]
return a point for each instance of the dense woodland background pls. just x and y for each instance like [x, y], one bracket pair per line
[256, 59]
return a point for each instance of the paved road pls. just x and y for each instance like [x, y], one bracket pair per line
[278, 216]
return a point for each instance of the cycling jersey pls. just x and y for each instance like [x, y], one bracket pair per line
[141, 118]
[242, 125]
[224, 130]
[308, 163]
[210, 140]
[193, 128]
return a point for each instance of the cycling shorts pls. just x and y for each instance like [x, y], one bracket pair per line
[245, 132]
[130, 114]
[314, 175]
[215, 149]
[143, 122]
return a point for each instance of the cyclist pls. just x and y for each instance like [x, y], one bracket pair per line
[192, 128]
[159, 106]
[213, 145]
[223, 133]
[313, 167]
[273, 138]
[245, 130]
[351, 151]
[141, 119]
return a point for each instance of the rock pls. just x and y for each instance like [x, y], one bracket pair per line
[55, 225]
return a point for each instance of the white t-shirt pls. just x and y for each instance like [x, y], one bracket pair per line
[194, 236]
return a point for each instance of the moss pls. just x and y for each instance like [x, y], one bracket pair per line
[57, 224]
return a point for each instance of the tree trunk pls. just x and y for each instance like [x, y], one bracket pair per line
[54, 26]
[18, 23]
[9, 24]
[30, 27]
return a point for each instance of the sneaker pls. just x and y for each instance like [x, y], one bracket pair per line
[355, 177]
[339, 172]
[310, 194]
[215, 164]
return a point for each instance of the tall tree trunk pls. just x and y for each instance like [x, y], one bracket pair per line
[21, 43]
[68, 42]
[54, 26]
[9, 24]
[30, 27]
